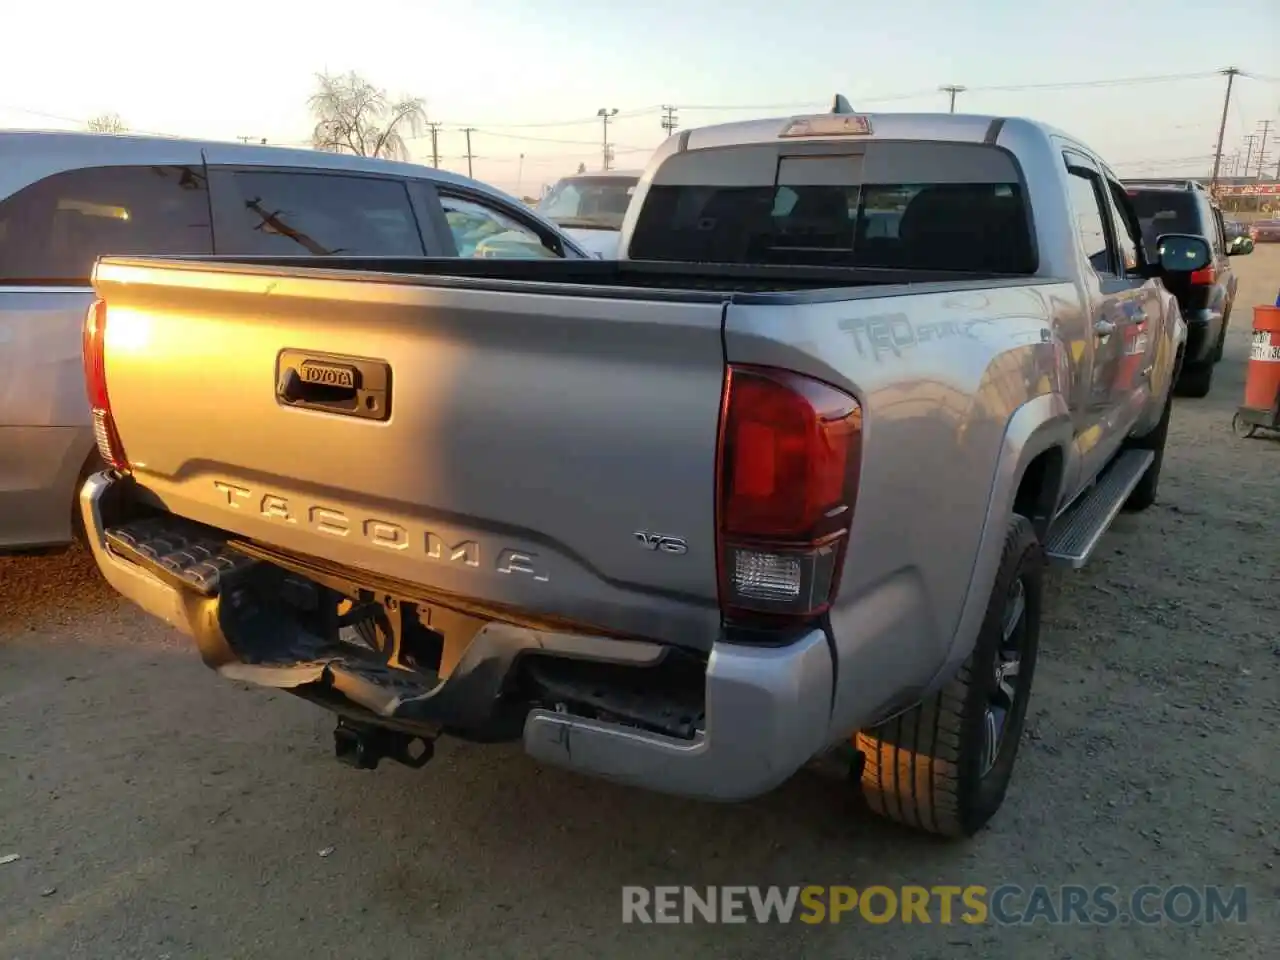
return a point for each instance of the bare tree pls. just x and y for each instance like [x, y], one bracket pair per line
[107, 123]
[354, 116]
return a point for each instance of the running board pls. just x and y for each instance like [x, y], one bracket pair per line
[1076, 533]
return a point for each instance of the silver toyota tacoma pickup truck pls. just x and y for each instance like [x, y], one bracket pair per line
[779, 484]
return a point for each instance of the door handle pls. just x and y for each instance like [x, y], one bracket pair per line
[343, 386]
[1103, 328]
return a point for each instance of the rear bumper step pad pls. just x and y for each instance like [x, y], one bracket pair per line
[181, 553]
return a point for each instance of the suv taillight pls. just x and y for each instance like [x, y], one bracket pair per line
[790, 451]
[1204, 277]
[95, 381]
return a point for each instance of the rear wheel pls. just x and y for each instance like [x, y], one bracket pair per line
[945, 765]
[1196, 381]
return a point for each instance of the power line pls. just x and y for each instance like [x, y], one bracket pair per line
[668, 112]
[918, 94]
[614, 147]
[516, 136]
[887, 98]
[1000, 88]
[1086, 84]
[580, 122]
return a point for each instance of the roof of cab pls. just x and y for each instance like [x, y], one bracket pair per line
[893, 126]
[597, 174]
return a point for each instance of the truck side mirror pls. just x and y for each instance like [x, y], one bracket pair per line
[1182, 252]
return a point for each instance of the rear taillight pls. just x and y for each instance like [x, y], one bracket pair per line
[1204, 277]
[790, 452]
[95, 381]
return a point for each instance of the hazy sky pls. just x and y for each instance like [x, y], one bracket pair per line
[511, 68]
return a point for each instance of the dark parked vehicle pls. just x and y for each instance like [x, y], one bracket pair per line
[1205, 296]
[1265, 231]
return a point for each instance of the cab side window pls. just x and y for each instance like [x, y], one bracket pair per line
[482, 231]
[53, 231]
[1089, 208]
[1127, 232]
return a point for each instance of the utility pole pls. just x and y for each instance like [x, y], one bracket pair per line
[606, 114]
[1230, 74]
[669, 121]
[1262, 146]
[468, 131]
[435, 142]
[953, 90]
[1248, 151]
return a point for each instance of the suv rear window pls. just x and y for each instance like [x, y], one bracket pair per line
[1166, 211]
[848, 212]
[54, 230]
[296, 213]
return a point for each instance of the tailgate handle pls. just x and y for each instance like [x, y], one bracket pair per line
[334, 384]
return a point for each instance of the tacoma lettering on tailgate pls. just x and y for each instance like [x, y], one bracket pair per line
[380, 533]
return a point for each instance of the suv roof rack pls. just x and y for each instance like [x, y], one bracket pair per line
[1173, 182]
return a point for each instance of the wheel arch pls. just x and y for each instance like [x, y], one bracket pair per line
[1034, 471]
[1039, 488]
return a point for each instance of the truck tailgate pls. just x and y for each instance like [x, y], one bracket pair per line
[524, 447]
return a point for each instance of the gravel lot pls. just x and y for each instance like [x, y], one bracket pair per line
[162, 812]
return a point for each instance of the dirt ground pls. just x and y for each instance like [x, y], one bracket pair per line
[161, 812]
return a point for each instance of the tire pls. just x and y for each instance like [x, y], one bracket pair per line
[1144, 494]
[930, 768]
[1196, 381]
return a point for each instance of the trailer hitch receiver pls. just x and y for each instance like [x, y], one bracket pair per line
[362, 746]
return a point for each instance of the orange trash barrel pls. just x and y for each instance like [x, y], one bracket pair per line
[1262, 378]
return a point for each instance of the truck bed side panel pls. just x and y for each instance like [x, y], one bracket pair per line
[530, 438]
[939, 376]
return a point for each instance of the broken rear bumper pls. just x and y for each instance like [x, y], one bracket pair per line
[766, 715]
[765, 710]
